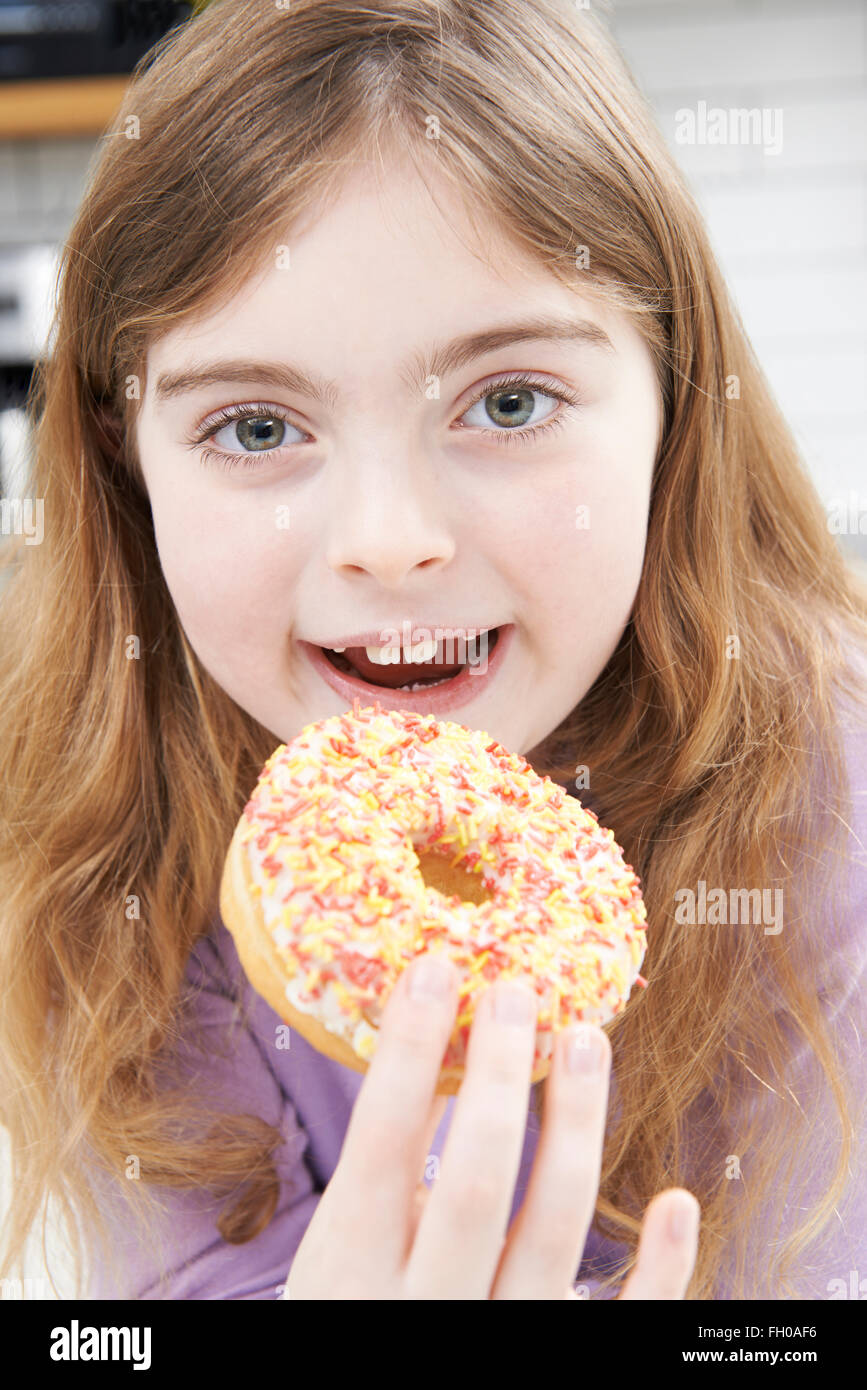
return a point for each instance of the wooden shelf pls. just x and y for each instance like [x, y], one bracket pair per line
[58, 107]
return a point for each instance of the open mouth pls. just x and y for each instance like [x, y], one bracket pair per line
[451, 659]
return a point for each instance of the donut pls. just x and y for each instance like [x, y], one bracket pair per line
[375, 836]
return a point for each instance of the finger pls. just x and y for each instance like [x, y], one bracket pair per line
[392, 1121]
[437, 1111]
[667, 1247]
[422, 1191]
[420, 1201]
[463, 1225]
[545, 1243]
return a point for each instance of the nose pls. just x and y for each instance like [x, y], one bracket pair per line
[387, 527]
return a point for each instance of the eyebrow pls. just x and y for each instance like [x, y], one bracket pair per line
[438, 362]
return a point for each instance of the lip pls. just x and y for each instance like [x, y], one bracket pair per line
[437, 699]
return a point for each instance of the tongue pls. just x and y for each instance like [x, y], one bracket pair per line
[398, 673]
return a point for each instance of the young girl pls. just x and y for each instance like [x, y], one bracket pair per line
[329, 263]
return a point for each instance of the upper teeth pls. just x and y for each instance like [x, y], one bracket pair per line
[422, 651]
[385, 656]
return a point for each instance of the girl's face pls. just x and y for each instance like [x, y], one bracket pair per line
[388, 493]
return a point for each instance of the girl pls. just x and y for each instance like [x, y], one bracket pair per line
[329, 263]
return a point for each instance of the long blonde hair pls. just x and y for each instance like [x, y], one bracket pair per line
[123, 778]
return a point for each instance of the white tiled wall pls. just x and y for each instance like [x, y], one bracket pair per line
[789, 229]
[41, 183]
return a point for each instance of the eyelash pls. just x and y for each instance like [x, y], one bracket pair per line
[506, 437]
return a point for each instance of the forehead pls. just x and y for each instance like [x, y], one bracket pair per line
[375, 273]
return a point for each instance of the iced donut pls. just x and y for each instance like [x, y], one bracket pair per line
[376, 836]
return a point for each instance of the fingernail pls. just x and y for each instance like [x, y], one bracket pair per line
[681, 1220]
[430, 978]
[585, 1052]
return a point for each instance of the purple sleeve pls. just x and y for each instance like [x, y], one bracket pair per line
[835, 1266]
[200, 1264]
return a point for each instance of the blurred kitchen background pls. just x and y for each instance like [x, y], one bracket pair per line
[63, 68]
[789, 228]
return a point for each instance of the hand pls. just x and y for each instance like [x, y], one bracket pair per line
[376, 1235]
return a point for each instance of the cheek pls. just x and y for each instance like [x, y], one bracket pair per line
[579, 527]
[224, 559]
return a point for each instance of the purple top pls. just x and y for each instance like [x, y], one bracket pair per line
[309, 1098]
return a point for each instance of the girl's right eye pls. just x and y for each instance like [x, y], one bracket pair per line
[253, 426]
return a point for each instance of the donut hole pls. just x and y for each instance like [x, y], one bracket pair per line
[451, 879]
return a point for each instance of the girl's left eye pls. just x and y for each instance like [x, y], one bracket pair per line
[516, 391]
[255, 424]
